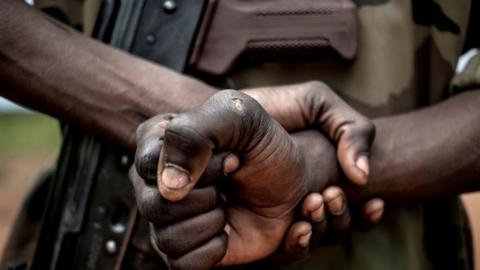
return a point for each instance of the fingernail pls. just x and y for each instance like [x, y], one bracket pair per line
[227, 229]
[362, 164]
[173, 178]
[230, 164]
[317, 215]
[376, 215]
[375, 209]
[336, 205]
[304, 240]
[334, 199]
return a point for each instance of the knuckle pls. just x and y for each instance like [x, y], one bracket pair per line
[205, 198]
[203, 259]
[366, 126]
[237, 101]
[185, 264]
[145, 213]
[315, 94]
[317, 85]
[218, 215]
[144, 128]
[166, 241]
[318, 91]
[154, 209]
[362, 131]
[182, 132]
[218, 249]
[178, 238]
[140, 132]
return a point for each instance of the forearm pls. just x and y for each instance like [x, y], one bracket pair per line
[51, 68]
[429, 153]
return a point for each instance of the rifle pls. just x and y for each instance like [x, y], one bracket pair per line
[91, 220]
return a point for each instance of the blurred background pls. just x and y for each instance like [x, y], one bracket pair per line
[29, 143]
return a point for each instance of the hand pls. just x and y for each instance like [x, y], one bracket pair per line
[352, 127]
[182, 219]
[325, 218]
[187, 234]
[260, 198]
[314, 105]
[179, 230]
[325, 214]
[299, 107]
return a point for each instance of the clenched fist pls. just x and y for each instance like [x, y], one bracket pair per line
[261, 194]
[225, 119]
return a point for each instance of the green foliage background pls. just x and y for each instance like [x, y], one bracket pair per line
[28, 133]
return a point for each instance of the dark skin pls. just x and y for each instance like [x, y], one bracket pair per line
[134, 88]
[441, 158]
[402, 170]
[68, 86]
[49, 67]
[187, 253]
[315, 105]
[134, 108]
[28, 80]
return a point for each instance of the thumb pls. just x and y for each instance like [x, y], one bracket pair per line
[226, 121]
[353, 151]
[183, 159]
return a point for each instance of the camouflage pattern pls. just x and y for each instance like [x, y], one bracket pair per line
[406, 59]
[407, 53]
[401, 65]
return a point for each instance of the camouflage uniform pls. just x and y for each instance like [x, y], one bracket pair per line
[406, 59]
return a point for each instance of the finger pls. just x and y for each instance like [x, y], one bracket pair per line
[149, 142]
[203, 258]
[228, 120]
[231, 163]
[150, 137]
[352, 132]
[313, 210]
[373, 209]
[146, 158]
[370, 213]
[179, 238]
[339, 217]
[353, 148]
[314, 103]
[156, 209]
[151, 125]
[297, 241]
[219, 166]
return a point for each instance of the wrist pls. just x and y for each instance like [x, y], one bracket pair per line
[320, 159]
